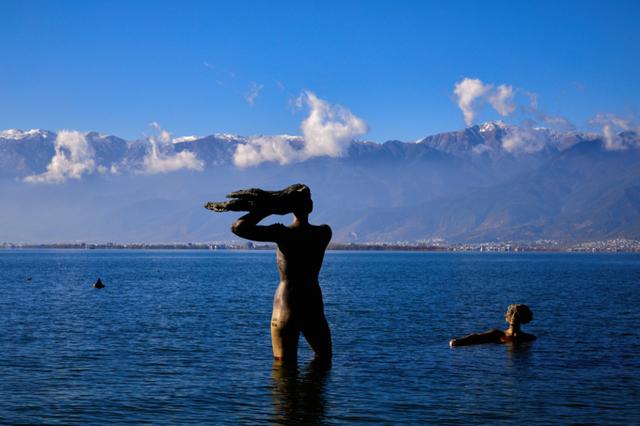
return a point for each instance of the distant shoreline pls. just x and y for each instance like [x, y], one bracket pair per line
[606, 246]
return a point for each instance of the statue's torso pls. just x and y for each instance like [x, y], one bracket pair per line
[299, 256]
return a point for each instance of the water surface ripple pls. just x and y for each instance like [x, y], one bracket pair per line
[180, 337]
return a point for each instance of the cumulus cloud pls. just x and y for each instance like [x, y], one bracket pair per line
[277, 149]
[161, 156]
[530, 135]
[73, 158]
[501, 99]
[472, 92]
[327, 131]
[253, 93]
[163, 136]
[612, 124]
[468, 90]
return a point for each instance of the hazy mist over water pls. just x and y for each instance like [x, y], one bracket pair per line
[183, 337]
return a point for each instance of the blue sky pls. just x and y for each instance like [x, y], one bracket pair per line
[116, 66]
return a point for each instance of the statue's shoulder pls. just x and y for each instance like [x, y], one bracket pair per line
[322, 231]
[326, 232]
[326, 229]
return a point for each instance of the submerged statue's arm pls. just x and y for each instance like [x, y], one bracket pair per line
[491, 336]
[247, 227]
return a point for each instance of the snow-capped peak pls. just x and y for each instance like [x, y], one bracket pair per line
[236, 138]
[284, 137]
[227, 136]
[185, 139]
[98, 135]
[493, 125]
[17, 134]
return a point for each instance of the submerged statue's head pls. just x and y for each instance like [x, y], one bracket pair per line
[518, 314]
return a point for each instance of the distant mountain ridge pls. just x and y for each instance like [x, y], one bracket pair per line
[23, 152]
[489, 182]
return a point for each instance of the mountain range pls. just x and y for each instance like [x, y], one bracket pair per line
[488, 182]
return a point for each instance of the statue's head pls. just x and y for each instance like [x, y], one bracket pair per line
[518, 314]
[302, 202]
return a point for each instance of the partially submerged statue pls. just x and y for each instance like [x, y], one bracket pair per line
[297, 303]
[515, 315]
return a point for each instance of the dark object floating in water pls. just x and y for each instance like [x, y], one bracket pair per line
[98, 284]
[29, 278]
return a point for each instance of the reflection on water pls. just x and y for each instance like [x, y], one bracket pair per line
[299, 396]
[519, 352]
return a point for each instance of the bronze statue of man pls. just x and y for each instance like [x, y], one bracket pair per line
[297, 303]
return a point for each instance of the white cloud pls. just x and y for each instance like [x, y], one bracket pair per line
[266, 148]
[552, 121]
[557, 122]
[523, 140]
[327, 130]
[185, 139]
[73, 158]
[472, 92]
[612, 123]
[162, 158]
[468, 90]
[533, 99]
[501, 100]
[253, 93]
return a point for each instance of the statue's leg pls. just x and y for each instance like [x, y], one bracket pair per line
[284, 340]
[317, 333]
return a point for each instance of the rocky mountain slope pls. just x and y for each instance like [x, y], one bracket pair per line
[483, 183]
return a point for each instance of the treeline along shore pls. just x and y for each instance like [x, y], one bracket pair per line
[601, 246]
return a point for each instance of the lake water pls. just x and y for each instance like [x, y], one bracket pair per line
[183, 337]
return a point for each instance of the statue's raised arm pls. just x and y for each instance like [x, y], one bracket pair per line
[280, 202]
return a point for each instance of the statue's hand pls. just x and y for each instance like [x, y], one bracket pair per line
[248, 194]
[230, 206]
[259, 200]
[256, 199]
